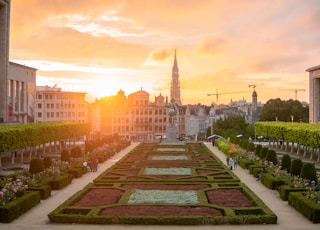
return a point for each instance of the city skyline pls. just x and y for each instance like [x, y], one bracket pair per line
[104, 46]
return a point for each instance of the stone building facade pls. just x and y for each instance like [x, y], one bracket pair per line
[314, 94]
[53, 104]
[134, 117]
[4, 57]
[21, 90]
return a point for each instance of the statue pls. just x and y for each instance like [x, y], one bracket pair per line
[172, 113]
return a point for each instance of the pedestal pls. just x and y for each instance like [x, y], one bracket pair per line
[172, 132]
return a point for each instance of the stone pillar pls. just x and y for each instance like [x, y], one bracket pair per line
[314, 94]
[4, 57]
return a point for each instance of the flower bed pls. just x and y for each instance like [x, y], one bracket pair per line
[167, 190]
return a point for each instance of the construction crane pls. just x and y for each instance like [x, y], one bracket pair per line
[295, 92]
[217, 94]
[255, 85]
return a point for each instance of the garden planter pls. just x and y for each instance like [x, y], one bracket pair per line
[16, 208]
[285, 190]
[44, 190]
[60, 181]
[272, 182]
[245, 163]
[305, 206]
[76, 172]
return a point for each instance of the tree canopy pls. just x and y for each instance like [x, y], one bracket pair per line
[281, 110]
[231, 126]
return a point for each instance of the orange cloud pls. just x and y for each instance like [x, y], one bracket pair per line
[214, 45]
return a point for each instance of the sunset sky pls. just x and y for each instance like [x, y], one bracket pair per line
[102, 46]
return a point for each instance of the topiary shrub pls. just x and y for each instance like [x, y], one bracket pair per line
[244, 143]
[36, 166]
[47, 162]
[296, 166]
[272, 157]
[250, 147]
[65, 155]
[76, 152]
[258, 150]
[264, 152]
[286, 162]
[309, 171]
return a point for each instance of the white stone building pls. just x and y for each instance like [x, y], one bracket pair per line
[314, 94]
[21, 90]
[4, 57]
[53, 104]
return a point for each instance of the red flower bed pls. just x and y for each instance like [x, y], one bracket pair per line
[98, 197]
[223, 197]
[228, 198]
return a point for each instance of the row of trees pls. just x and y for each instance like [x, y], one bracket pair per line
[282, 110]
[20, 136]
[274, 109]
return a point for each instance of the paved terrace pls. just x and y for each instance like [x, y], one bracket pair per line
[36, 218]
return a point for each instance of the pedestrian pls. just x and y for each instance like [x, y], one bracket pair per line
[263, 170]
[230, 163]
[95, 162]
[236, 162]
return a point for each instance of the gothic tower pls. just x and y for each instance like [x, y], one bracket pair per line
[254, 101]
[175, 83]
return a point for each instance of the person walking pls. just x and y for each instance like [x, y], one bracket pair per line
[230, 163]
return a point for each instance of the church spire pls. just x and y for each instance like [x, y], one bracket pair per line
[175, 64]
[175, 83]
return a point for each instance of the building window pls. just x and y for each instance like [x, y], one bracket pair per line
[39, 106]
[52, 114]
[52, 106]
[39, 96]
[48, 114]
[48, 106]
[39, 114]
[57, 114]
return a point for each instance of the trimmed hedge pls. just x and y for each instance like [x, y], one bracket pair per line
[285, 190]
[270, 181]
[206, 168]
[44, 190]
[60, 182]
[16, 208]
[76, 172]
[305, 206]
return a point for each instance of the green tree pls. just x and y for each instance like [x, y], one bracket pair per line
[257, 151]
[296, 166]
[309, 171]
[36, 166]
[230, 126]
[286, 162]
[281, 110]
[65, 155]
[272, 157]
[264, 152]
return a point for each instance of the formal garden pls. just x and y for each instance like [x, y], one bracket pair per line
[161, 183]
[27, 186]
[297, 182]
[168, 183]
